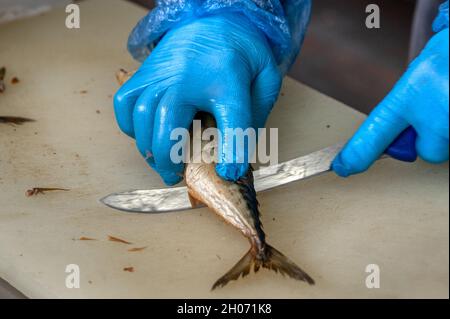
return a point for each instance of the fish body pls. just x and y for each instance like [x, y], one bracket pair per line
[236, 203]
[226, 199]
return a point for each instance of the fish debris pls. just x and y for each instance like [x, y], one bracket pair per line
[118, 240]
[41, 190]
[2, 79]
[14, 120]
[137, 249]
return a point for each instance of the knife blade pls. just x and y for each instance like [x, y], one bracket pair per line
[177, 199]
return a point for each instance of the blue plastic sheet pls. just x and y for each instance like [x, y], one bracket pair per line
[284, 23]
[441, 21]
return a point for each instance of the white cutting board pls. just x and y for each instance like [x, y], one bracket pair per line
[395, 216]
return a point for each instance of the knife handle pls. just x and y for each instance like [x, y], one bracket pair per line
[404, 146]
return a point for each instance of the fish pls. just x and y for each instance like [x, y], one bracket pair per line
[236, 203]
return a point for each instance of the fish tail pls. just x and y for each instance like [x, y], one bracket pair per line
[273, 260]
[278, 262]
[243, 267]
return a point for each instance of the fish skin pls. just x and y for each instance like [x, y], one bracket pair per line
[229, 200]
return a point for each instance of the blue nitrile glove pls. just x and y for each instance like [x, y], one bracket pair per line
[223, 57]
[420, 99]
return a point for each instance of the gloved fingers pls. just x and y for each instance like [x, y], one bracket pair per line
[265, 89]
[374, 136]
[173, 119]
[233, 117]
[125, 100]
[432, 147]
[143, 120]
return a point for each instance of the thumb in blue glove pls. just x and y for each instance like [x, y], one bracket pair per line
[218, 64]
[420, 99]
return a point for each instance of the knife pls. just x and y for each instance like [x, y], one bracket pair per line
[177, 199]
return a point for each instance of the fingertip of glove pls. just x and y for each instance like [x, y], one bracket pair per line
[171, 179]
[231, 172]
[124, 121]
[339, 168]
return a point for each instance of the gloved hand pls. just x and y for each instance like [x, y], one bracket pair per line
[420, 99]
[221, 64]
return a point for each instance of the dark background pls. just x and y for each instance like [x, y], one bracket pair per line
[343, 59]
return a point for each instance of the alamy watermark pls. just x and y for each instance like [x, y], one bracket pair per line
[373, 17]
[73, 277]
[73, 16]
[373, 279]
[232, 145]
